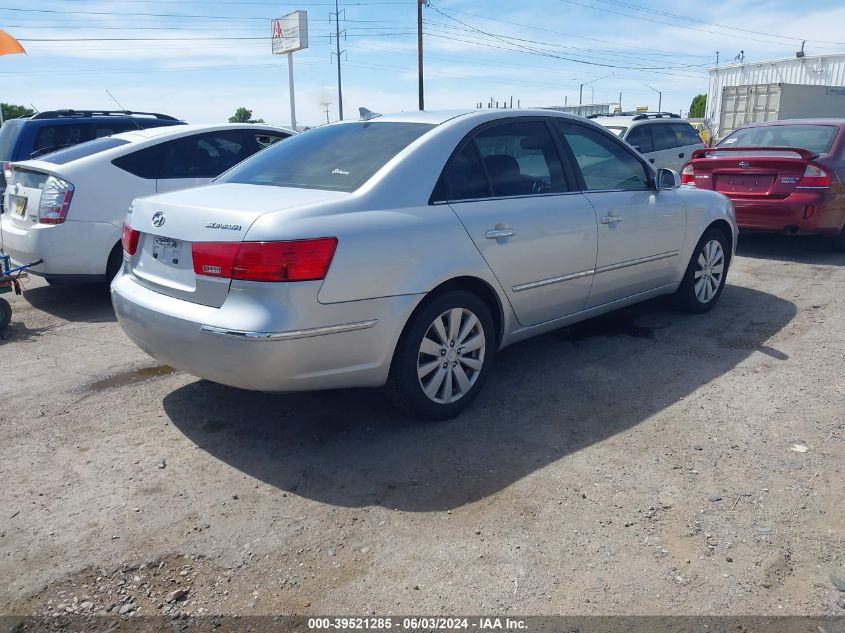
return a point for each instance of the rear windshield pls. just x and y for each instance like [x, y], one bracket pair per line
[335, 157]
[816, 138]
[82, 150]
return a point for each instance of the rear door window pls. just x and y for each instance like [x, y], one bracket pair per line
[663, 137]
[464, 178]
[685, 134]
[520, 159]
[203, 155]
[52, 137]
[640, 137]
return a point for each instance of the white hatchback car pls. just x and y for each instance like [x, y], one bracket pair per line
[67, 208]
[664, 138]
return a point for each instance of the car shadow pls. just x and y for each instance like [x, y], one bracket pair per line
[806, 249]
[89, 303]
[546, 398]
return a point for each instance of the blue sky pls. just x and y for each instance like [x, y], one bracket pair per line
[201, 59]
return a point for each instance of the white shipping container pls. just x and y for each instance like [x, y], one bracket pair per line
[820, 70]
[771, 102]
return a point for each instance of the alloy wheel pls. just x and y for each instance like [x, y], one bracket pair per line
[451, 355]
[709, 271]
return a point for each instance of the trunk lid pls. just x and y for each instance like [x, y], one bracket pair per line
[750, 172]
[169, 224]
[23, 195]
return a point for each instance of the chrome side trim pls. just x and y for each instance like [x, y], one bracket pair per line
[287, 336]
[634, 262]
[552, 280]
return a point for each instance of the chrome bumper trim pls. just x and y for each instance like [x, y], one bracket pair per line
[286, 336]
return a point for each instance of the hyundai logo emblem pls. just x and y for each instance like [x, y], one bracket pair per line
[158, 219]
[744, 163]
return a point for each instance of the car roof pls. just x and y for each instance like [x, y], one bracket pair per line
[185, 130]
[437, 117]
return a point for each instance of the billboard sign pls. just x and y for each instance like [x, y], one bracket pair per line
[290, 32]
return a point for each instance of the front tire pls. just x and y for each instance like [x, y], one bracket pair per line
[443, 356]
[5, 314]
[705, 276]
[838, 242]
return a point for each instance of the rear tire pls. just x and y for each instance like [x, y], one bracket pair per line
[114, 264]
[5, 314]
[444, 356]
[838, 242]
[705, 276]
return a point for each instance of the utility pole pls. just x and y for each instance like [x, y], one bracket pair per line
[659, 98]
[420, 50]
[326, 105]
[338, 52]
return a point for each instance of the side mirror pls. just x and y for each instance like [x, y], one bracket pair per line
[668, 179]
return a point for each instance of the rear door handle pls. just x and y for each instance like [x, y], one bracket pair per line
[611, 219]
[497, 233]
[681, 155]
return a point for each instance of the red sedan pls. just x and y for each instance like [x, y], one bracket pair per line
[781, 176]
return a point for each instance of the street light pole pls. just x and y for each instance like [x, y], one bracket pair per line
[420, 52]
[587, 83]
[659, 98]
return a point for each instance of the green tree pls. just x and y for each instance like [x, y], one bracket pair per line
[244, 115]
[698, 106]
[11, 111]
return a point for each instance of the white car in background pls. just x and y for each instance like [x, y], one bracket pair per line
[664, 138]
[67, 208]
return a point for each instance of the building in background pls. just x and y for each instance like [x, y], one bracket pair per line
[796, 87]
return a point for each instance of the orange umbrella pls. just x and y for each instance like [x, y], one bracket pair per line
[9, 45]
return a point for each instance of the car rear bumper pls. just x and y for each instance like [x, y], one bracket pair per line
[70, 250]
[312, 347]
[802, 212]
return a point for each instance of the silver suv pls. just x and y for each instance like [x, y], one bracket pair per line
[665, 139]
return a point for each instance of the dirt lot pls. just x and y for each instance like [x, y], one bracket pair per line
[645, 463]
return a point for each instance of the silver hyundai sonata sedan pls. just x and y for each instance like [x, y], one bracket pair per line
[406, 250]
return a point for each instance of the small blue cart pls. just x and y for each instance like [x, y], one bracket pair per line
[9, 281]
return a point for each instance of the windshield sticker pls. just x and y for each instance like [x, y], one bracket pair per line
[728, 141]
[340, 172]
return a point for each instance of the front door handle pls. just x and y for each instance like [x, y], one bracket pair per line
[497, 233]
[611, 219]
[681, 155]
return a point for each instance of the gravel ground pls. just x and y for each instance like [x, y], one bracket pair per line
[647, 462]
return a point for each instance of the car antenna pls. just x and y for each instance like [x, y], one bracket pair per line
[366, 115]
[138, 125]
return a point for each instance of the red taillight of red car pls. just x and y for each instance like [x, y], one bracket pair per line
[814, 176]
[130, 239]
[688, 175]
[297, 260]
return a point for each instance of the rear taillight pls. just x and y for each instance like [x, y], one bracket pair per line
[688, 175]
[214, 259]
[814, 176]
[55, 200]
[7, 171]
[297, 260]
[130, 239]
